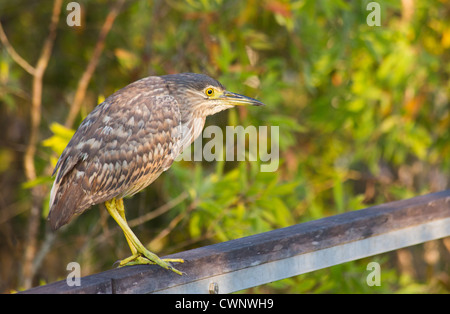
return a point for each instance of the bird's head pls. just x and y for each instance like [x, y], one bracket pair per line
[203, 94]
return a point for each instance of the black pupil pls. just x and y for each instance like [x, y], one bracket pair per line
[209, 91]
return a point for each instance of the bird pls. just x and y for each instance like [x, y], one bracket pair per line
[127, 141]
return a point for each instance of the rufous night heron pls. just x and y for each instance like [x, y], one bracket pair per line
[127, 141]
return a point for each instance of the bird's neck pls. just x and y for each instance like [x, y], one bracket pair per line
[191, 128]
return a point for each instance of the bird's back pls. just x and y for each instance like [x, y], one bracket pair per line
[122, 146]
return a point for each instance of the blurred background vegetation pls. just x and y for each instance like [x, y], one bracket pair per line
[363, 112]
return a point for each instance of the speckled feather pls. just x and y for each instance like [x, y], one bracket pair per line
[125, 143]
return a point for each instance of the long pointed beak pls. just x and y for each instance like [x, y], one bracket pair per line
[239, 100]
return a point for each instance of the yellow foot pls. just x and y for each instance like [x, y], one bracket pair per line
[148, 257]
[140, 254]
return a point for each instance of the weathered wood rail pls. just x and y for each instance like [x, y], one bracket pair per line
[258, 259]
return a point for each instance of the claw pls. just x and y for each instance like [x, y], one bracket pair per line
[140, 260]
[140, 254]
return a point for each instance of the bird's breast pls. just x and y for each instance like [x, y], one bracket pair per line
[190, 130]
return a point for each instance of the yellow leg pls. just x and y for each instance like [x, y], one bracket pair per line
[140, 255]
[117, 205]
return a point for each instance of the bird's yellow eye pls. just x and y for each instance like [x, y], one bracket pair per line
[209, 92]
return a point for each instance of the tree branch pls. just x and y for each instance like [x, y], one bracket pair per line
[87, 75]
[36, 100]
[13, 53]
[38, 192]
[159, 211]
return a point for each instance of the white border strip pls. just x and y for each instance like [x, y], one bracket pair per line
[304, 263]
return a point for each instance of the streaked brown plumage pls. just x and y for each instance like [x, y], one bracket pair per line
[127, 141]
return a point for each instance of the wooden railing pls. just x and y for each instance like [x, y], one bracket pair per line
[258, 259]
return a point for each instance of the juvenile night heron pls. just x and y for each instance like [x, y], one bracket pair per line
[127, 141]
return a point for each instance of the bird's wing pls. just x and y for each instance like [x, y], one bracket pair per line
[121, 147]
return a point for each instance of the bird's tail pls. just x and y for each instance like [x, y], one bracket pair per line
[66, 201]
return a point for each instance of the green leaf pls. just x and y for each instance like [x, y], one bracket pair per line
[195, 225]
[60, 139]
[36, 182]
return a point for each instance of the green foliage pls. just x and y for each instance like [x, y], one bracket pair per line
[60, 139]
[363, 115]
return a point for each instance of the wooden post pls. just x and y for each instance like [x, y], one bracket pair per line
[258, 259]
